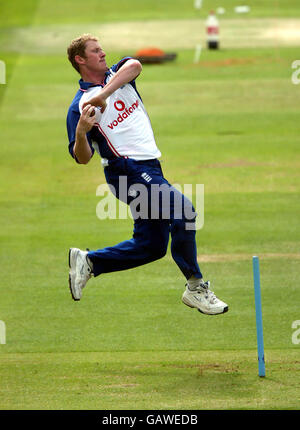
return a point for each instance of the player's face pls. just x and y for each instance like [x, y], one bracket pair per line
[95, 57]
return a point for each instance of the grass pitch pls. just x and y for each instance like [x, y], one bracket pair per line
[229, 122]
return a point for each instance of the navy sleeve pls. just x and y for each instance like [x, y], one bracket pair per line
[117, 66]
[72, 121]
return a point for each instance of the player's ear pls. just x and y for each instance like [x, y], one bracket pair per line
[79, 59]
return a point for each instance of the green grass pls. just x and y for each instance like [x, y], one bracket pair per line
[230, 123]
[156, 380]
[18, 13]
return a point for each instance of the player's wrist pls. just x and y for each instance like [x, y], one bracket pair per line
[82, 129]
[81, 133]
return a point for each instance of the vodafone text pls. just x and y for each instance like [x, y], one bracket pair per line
[120, 106]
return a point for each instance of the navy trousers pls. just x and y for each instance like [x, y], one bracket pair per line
[165, 215]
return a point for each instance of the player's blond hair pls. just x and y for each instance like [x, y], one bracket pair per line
[77, 47]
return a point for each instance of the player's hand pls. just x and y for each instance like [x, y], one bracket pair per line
[87, 119]
[98, 101]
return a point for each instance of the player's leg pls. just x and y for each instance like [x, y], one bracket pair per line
[184, 252]
[150, 236]
[167, 203]
[148, 243]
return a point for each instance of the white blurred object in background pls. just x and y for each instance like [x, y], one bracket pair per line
[242, 9]
[220, 11]
[198, 4]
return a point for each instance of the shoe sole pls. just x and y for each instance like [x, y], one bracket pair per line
[70, 279]
[225, 309]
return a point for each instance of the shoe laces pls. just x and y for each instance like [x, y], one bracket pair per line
[209, 295]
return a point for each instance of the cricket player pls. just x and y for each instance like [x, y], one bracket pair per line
[107, 115]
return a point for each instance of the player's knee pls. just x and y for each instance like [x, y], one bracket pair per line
[158, 249]
[154, 239]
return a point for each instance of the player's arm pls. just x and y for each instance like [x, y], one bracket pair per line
[127, 73]
[82, 149]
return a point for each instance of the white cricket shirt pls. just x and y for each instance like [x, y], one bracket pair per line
[125, 123]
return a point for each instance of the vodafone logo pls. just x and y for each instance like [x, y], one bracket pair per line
[119, 105]
[125, 112]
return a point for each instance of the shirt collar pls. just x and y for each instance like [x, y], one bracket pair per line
[86, 85]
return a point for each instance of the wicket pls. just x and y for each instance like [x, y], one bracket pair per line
[258, 312]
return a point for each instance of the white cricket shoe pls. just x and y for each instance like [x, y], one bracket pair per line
[203, 299]
[79, 273]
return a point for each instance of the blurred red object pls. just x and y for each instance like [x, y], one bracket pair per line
[150, 52]
[153, 55]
